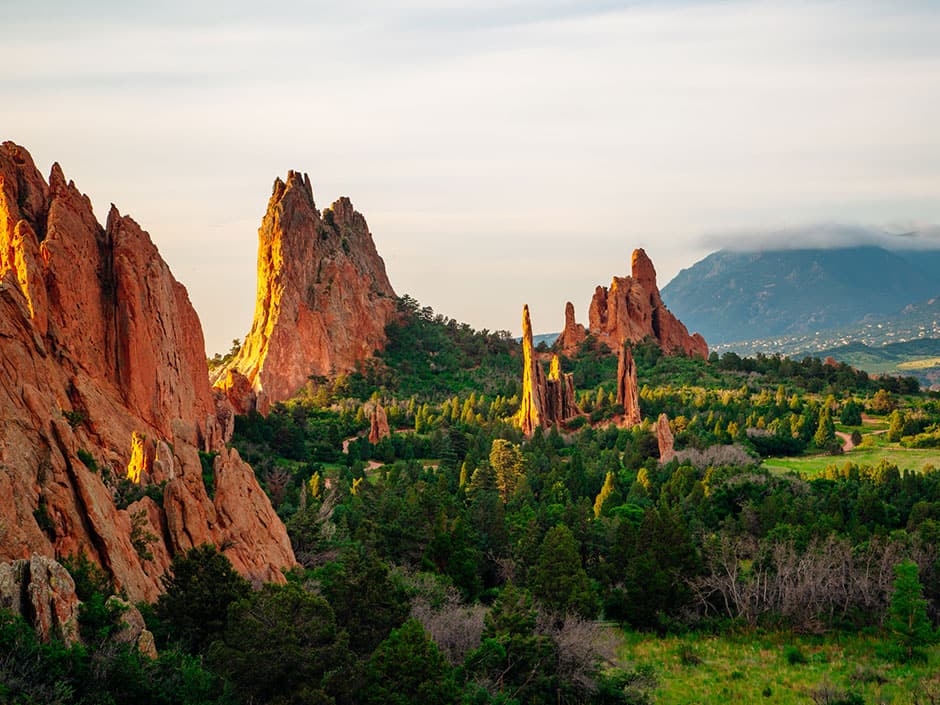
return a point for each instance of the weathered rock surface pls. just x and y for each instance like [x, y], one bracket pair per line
[546, 402]
[133, 627]
[628, 394]
[99, 346]
[574, 333]
[42, 592]
[665, 439]
[323, 299]
[630, 310]
[378, 423]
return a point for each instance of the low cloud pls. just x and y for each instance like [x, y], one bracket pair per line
[896, 236]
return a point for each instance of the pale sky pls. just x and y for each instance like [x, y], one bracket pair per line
[511, 153]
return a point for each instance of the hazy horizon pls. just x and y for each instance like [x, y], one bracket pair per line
[513, 153]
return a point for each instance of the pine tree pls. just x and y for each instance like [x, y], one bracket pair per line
[826, 430]
[907, 614]
[559, 580]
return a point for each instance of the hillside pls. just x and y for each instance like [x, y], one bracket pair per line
[733, 296]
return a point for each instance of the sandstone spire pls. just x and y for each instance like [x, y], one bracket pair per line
[627, 392]
[573, 334]
[546, 402]
[323, 298]
[110, 372]
[378, 423]
[630, 310]
[665, 439]
[531, 409]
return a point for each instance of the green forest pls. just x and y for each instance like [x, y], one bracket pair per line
[788, 553]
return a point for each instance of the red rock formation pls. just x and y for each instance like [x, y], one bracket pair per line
[531, 410]
[573, 334]
[665, 439]
[629, 311]
[100, 345]
[323, 296]
[627, 392]
[378, 424]
[546, 402]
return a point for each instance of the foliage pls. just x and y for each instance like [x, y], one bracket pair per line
[907, 614]
[433, 356]
[199, 587]
[282, 645]
[107, 674]
[408, 667]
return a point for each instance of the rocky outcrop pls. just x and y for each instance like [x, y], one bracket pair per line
[628, 394]
[104, 377]
[323, 299]
[133, 629]
[41, 591]
[378, 423]
[665, 439]
[630, 310]
[573, 334]
[546, 402]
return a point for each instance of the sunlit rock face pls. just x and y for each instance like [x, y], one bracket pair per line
[629, 310]
[546, 401]
[104, 377]
[323, 299]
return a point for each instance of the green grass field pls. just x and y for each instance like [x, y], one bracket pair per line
[754, 668]
[904, 458]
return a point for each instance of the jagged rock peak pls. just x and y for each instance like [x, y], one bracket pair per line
[323, 297]
[106, 347]
[628, 311]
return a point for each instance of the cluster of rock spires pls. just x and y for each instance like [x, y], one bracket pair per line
[105, 377]
[323, 299]
[630, 310]
[546, 401]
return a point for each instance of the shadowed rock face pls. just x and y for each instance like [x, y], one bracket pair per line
[546, 402]
[628, 394]
[41, 591]
[102, 352]
[629, 311]
[378, 424]
[665, 439]
[323, 299]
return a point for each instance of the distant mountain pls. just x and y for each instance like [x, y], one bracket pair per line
[735, 296]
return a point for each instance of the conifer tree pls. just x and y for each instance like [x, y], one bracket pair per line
[907, 614]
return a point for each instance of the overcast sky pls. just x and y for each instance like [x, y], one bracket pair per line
[511, 153]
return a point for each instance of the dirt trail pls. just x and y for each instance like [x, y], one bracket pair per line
[847, 444]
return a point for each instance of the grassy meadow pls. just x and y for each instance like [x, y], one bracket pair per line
[780, 668]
